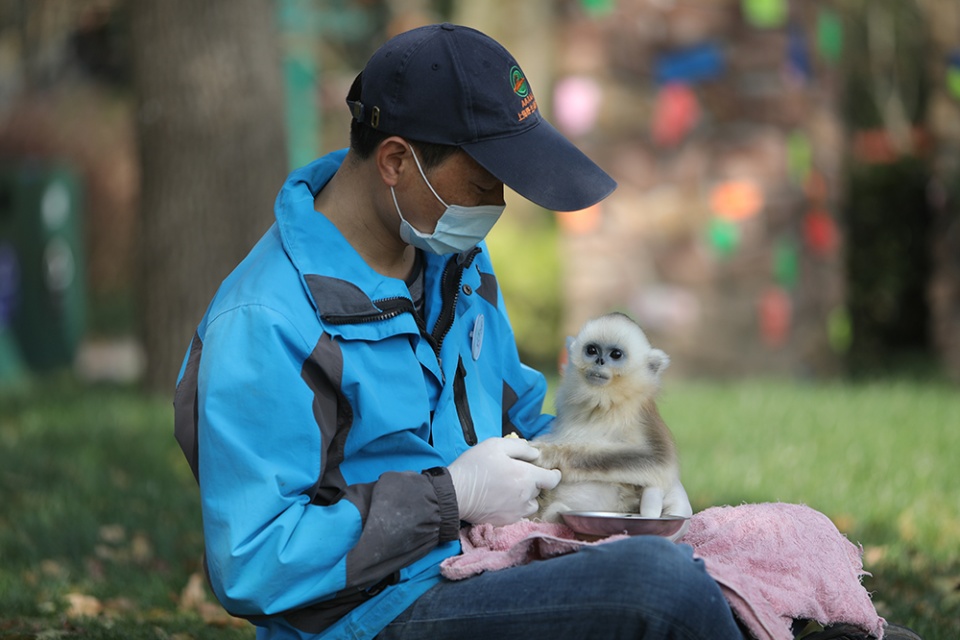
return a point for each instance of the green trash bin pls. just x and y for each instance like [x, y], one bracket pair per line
[43, 296]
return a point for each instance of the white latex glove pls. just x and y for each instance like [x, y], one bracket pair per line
[495, 482]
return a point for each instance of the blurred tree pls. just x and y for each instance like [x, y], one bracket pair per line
[943, 118]
[887, 216]
[212, 150]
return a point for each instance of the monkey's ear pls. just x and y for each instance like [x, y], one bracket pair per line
[657, 361]
[569, 343]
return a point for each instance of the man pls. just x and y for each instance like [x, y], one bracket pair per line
[344, 399]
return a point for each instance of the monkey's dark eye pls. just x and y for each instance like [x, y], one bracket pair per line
[591, 350]
[616, 354]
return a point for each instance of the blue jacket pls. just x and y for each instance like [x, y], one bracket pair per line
[319, 411]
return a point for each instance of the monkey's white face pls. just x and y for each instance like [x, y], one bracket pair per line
[613, 347]
[601, 362]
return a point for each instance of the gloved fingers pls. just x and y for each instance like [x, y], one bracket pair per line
[547, 478]
[530, 508]
[519, 449]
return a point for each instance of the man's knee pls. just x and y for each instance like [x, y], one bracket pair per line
[667, 575]
[646, 557]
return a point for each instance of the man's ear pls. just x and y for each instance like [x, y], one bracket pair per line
[391, 157]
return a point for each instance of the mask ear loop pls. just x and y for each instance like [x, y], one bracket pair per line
[424, 176]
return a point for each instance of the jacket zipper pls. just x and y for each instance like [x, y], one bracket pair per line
[463, 405]
[393, 307]
[450, 295]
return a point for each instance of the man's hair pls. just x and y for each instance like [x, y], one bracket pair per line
[364, 140]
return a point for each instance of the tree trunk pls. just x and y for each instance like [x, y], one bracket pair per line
[943, 118]
[213, 155]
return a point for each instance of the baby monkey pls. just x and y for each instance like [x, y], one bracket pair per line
[608, 440]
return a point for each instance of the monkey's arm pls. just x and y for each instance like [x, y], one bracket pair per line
[580, 462]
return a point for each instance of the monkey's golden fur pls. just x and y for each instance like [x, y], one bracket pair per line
[609, 440]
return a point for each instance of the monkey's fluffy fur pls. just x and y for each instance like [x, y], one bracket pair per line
[609, 440]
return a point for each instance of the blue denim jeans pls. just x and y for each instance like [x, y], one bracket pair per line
[642, 587]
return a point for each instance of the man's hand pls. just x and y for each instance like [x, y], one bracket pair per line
[495, 482]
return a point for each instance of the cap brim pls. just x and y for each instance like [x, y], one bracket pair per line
[544, 167]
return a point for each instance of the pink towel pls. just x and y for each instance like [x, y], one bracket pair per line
[774, 562]
[488, 548]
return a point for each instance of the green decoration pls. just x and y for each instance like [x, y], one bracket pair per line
[829, 35]
[839, 330]
[724, 236]
[786, 264]
[300, 79]
[799, 156]
[953, 81]
[597, 8]
[765, 14]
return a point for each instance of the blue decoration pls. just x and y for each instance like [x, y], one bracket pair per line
[689, 66]
[9, 283]
[798, 55]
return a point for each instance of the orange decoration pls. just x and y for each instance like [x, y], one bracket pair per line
[736, 200]
[580, 222]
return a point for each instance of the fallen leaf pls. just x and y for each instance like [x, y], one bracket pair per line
[194, 593]
[52, 569]
[194, 598]
[844, 522]
[118, 607]
[105, 552]
[141, 549]
[874, 555]
[113, 533]
[82, 606]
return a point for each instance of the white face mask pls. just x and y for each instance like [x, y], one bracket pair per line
[458, 229]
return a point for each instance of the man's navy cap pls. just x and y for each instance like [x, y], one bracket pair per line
[449, 84]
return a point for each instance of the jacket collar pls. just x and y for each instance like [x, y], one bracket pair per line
[322, 256]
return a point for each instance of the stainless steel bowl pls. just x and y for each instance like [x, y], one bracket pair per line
[600, 524]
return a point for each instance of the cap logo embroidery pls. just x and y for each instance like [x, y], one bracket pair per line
[528, 104]
[519, 82]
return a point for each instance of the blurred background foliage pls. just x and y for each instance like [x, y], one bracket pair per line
[70, 100]
[525, 252]
[99, 530]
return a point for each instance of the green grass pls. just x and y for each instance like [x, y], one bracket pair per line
[96, 500]
[880, 459]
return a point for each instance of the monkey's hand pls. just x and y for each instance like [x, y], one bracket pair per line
[651, 502]
[675, 503]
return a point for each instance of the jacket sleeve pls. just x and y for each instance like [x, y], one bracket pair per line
[270, 547]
